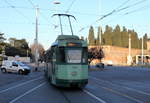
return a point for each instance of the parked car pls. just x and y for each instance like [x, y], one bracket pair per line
[100, 65]
[14, 66]
[109, 63]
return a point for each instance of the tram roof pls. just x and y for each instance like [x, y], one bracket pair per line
[63, 39]
[67, 37]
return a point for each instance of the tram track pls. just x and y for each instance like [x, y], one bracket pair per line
[14, 93]
[65, 96]
[122, 86]
[65, 92]
[19, 85]
[129, 93]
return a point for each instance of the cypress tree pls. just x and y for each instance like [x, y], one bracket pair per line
[91, 38]
[108, 35]
[99, 33]
[145, 39]
[125, 37]
[134, 39]
[117, 36]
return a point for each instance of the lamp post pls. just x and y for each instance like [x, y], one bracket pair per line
[142, 58]
[56, 2]
[129, 58]
[36, 38]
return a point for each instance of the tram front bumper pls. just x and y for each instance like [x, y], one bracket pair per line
[71, 83]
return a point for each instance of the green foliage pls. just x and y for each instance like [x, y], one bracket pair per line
[117, 37]
[99, 33]
[14, 47]
[125, 38]
[2, 39]
[2, 43]
[18, 43]
[108, 35]
[95, 53]
[91, 37]
[145, 39]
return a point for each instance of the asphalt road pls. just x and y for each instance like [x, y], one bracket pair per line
[111, 85]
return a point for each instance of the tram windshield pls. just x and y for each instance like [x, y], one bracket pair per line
[73, 56]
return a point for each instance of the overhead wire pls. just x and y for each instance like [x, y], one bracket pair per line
[121, 9]
[73, 1]
[31, 3]
[133, 11]
[34, 6]
[118, 9]
[45, 9]
[139, 9]
[13, 7]
[124, 3]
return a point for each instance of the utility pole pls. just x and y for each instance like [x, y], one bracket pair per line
[36, 38]
[142, 58]
[99, 28]
[100, 35]
[129, 58]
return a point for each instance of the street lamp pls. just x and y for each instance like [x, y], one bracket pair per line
[36, 38]
[142, 58]
[56, 2]
[129, 58]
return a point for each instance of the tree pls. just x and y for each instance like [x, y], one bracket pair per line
[95, 53]
[12, 41]
[2, 39]
[134, 39]
[2, 43]
[99, 33]
[125, 37]
[17, 47]
[108, 35]
[40, 50]
[13, 51]
[91, 37]
[18, 43]
[145, 39]
[117, 37]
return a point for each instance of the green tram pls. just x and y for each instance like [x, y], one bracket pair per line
[67, 62]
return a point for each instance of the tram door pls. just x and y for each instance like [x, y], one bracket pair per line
[53, 67]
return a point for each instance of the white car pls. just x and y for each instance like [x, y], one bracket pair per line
[14, 66]
[109, 63]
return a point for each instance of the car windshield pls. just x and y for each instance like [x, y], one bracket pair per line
[21, 64]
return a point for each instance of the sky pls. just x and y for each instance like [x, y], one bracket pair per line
[17, 17]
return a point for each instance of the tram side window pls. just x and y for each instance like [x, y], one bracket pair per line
[48, 56]
[61, 55]
[85, 56]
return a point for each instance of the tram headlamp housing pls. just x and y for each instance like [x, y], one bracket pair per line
[73, 44]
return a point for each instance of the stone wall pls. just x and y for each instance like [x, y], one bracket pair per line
[118, 55]
[148, 45]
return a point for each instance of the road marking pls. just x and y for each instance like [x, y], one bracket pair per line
[122, 94]
[92, 95]
[141, 92]
[5, 90]
[119, 93]
[31, 90]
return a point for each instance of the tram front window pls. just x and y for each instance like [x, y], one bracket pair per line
[73, 56]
